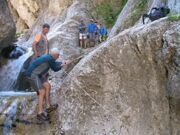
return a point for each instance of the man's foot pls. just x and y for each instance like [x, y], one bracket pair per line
[42, 117]
[52, 108]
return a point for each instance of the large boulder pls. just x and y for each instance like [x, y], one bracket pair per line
[171, 53]
[120, 88]
[171, 56]
[8, 29]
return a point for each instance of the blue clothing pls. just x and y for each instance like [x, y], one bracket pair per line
[41, 65]
[103, 31]
[91, 28]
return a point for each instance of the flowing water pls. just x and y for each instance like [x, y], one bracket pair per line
[10, 71]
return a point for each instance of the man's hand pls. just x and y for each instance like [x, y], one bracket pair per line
[66, 62]
[35, 56]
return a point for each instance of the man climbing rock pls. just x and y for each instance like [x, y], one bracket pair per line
[40, 44]
[82, 34]
[36, 75]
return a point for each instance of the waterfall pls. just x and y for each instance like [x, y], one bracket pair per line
[10, 72]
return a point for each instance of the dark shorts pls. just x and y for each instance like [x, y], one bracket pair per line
[37, 82]
[92, 36]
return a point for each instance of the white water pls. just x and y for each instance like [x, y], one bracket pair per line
[10, 72]
[15, 94]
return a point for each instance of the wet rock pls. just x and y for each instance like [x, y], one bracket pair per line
[12, 52]
[7, 31]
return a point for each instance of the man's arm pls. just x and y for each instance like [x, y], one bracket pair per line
[35, 49]
[34, 46]
[47, 47]
[55, 66]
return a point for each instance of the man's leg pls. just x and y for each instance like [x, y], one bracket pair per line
[40, 100]
[49, 107]
[47, 87]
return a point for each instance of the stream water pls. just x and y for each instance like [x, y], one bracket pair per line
[10, 71]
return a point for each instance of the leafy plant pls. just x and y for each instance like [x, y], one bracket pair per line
[139, 9]
[173, 18]
[109, 11]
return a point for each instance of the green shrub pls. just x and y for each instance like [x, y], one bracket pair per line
[173, 18]
[139, 10]
[109, 11]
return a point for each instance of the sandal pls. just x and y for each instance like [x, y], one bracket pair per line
[42, 117]
[52, 108]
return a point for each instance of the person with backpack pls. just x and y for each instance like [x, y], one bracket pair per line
[103, 33]
[40, 44]
[36, 76]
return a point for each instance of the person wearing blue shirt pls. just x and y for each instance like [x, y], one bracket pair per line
[36, 74]
[91, 29]
[103, 33]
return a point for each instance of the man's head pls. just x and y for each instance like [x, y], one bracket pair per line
[91, 20]
[46, 28]
[55, 53]
[82, 21]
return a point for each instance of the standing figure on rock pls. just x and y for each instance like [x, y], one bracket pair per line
[97, 34]
[82, 34]
[103, 33]
[91, 29]
[36, 76]
[40, 44]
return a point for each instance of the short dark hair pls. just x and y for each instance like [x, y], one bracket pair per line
[46, 26]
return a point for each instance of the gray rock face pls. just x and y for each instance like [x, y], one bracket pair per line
[119, 88]
[34, 9]
[174, 6]
[171, 50]
[7, 30]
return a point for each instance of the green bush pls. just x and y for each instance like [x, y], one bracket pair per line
[173, 18]
[109, 11]
[139, 10]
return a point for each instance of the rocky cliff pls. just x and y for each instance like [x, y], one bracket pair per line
[7, 31]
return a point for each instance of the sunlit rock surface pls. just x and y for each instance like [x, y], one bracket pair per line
[7, 30]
